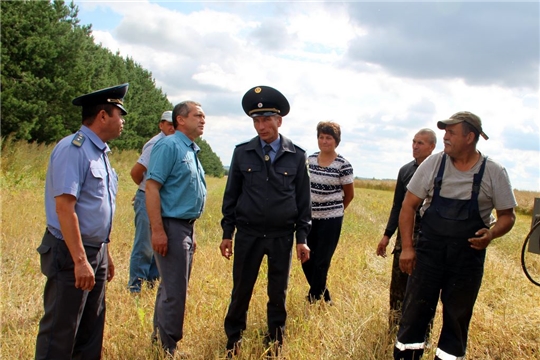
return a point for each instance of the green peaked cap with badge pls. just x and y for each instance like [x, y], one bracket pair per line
[112, 95]
[265, 101]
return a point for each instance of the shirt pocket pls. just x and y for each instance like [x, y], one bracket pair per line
[46, 260]
[287, 175]
[192, 171]
[98, 180]
[250, 173]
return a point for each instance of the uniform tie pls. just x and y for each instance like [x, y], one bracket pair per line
[267, 148]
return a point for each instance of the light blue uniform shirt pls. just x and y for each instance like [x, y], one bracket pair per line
[174, 164]
[275, 145]
[84, 172]
[144, 159]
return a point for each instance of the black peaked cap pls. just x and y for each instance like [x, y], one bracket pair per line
[265, 101]
[112, 95]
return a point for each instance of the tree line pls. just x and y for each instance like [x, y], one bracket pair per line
[49, 58]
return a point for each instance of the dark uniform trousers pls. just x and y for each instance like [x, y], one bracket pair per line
[446, 265]
[248, 254]
[73, 323]
[398, 283]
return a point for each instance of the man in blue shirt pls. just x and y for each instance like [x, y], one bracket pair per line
[80, 196]
[142, 265]
[175, 197]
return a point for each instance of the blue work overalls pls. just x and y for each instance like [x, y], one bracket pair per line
[446, 265]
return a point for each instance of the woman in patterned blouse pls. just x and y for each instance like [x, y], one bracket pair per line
[332, 190]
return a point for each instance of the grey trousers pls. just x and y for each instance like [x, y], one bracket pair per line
[175, 270]
[73, 323]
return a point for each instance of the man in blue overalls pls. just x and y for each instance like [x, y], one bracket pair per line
[459, 188]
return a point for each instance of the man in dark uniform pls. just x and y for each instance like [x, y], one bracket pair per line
[461, 187]
[267, 199]
[423, 145]
[80, 196]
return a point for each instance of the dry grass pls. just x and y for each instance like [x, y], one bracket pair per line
[525, 200]
[375, 184]
[505, 324]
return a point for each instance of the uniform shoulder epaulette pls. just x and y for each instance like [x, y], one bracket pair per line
[78, 139]
[299, 147]
[242, 143]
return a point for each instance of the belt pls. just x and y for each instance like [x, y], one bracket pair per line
[59, 239]
[50, 233]
[187, 221]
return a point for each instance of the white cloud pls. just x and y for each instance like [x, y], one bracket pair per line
[214, 52]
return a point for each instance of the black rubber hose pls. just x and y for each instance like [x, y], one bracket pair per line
[523, 250]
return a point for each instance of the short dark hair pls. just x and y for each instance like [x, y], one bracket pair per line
[183, 108]
[89, 113]
[329, 128]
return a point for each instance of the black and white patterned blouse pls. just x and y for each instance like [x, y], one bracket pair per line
[327, 186]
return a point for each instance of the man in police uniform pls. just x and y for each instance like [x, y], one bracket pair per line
[267, 199]
[80, 195]
[175, 198]
[142, 265]
[461, 187]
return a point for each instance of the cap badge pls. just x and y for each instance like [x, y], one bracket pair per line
[115, 101]
[257, 90]
[260, 105]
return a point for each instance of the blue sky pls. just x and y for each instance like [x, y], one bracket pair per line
[381, 70]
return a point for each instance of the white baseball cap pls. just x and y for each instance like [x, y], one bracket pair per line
[167, 115]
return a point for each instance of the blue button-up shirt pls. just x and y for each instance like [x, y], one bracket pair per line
[174, 164]
[275, 145]
[85, 172]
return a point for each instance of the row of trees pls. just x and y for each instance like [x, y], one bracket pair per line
[49, 58]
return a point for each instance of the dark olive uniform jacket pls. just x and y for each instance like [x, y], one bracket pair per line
[267, 202]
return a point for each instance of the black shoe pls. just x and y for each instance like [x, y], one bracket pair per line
[233, 348]
[329, 302]
[273, 349]
[326, 297]
[175, 355]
